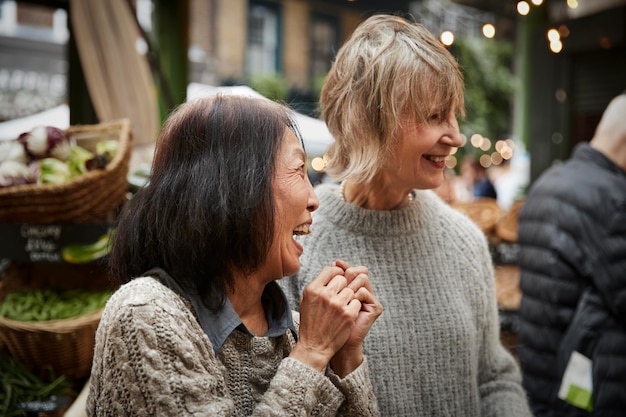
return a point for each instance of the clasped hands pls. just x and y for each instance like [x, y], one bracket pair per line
[337, 310]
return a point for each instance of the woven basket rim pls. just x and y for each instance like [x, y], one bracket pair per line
[120, 156]
[53, 326]
[506, 227]
[485, 212]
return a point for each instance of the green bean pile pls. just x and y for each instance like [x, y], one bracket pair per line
[18, 385]
[50, 304]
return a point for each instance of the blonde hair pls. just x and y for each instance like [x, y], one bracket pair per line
[388, 70]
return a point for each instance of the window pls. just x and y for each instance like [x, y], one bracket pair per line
[324, 38]
[263, 53]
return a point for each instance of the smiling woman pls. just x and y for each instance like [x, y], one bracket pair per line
[391, 100]
[199, 325]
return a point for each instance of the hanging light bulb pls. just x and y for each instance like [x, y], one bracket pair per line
[556, 46]
[553, 35]
[489, 30]
[523, 8]
[447, 37]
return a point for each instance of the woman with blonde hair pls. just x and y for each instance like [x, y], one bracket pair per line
[391, 100]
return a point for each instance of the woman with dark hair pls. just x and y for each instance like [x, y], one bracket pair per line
[199, 325]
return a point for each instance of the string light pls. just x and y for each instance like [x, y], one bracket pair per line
[553, 35]
[447, 37]
[556, 46]
[489, 30]
[523, 8]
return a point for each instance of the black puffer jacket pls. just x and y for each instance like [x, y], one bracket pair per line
[572, 234]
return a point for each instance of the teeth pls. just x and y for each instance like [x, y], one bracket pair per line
[303, 229]
[436, 158]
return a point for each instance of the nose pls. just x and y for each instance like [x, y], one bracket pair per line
[452, 136]
[313, 203]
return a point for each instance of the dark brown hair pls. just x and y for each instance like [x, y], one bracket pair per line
[208, 209]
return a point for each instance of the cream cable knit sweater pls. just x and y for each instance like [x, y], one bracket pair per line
[153, 359]
[435, 350]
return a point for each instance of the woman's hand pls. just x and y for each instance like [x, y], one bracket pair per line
[328, 313]
[350, 356]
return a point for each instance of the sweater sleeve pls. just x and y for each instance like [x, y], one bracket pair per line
[152, 358]
[358, 391]
[500, 386]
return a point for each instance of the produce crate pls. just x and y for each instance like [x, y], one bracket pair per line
[87, 198]
[63, 346]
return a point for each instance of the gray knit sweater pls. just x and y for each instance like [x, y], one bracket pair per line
[152, 358]
[435, 350]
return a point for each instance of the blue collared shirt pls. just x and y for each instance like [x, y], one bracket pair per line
[218, 326]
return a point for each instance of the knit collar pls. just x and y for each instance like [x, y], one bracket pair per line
[368, 222]
[219, 325]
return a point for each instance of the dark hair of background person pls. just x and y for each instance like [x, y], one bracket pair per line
[208, 209]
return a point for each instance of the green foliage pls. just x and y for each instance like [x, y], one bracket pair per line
[489, 86]
[272, 86]
[317, 83]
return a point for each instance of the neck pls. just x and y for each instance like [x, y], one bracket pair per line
[376, 196]
[246, 300]
[617, 154]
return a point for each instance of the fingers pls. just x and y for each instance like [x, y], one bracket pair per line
[354, 271]
[368, 301]
[326, 275]
[360, 281]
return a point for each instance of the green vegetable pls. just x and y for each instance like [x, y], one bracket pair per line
[53, 171]
[77, 161]
[51, 304]
[19, 385]
[108, 148]
[83, 253]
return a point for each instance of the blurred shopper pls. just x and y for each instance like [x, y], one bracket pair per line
[572, 234]
[447, 190]
[476, 179]
[391, 100]
[200, 326]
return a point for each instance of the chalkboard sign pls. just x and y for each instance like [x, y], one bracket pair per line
[61, 243]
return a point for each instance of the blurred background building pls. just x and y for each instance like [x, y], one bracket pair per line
[566, 61]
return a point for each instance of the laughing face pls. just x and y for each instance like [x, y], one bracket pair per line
[295, 200]
[421, 151]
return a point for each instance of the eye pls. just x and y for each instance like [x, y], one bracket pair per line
[435, 117]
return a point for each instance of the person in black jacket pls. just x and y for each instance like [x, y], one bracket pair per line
[572, 237]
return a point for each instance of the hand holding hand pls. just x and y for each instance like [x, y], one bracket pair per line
[350, 356]
[328, 311]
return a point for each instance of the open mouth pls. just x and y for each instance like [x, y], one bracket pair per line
[303, 229]
[436, 159]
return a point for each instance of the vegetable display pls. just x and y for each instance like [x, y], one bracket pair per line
[51, 304]
[19, 387]
[48, 155]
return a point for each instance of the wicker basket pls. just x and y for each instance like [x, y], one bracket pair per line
[86, 198]
[506, 227]
[485, 212]
[63, 346]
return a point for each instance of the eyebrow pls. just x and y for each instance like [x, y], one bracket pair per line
[299, 152]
